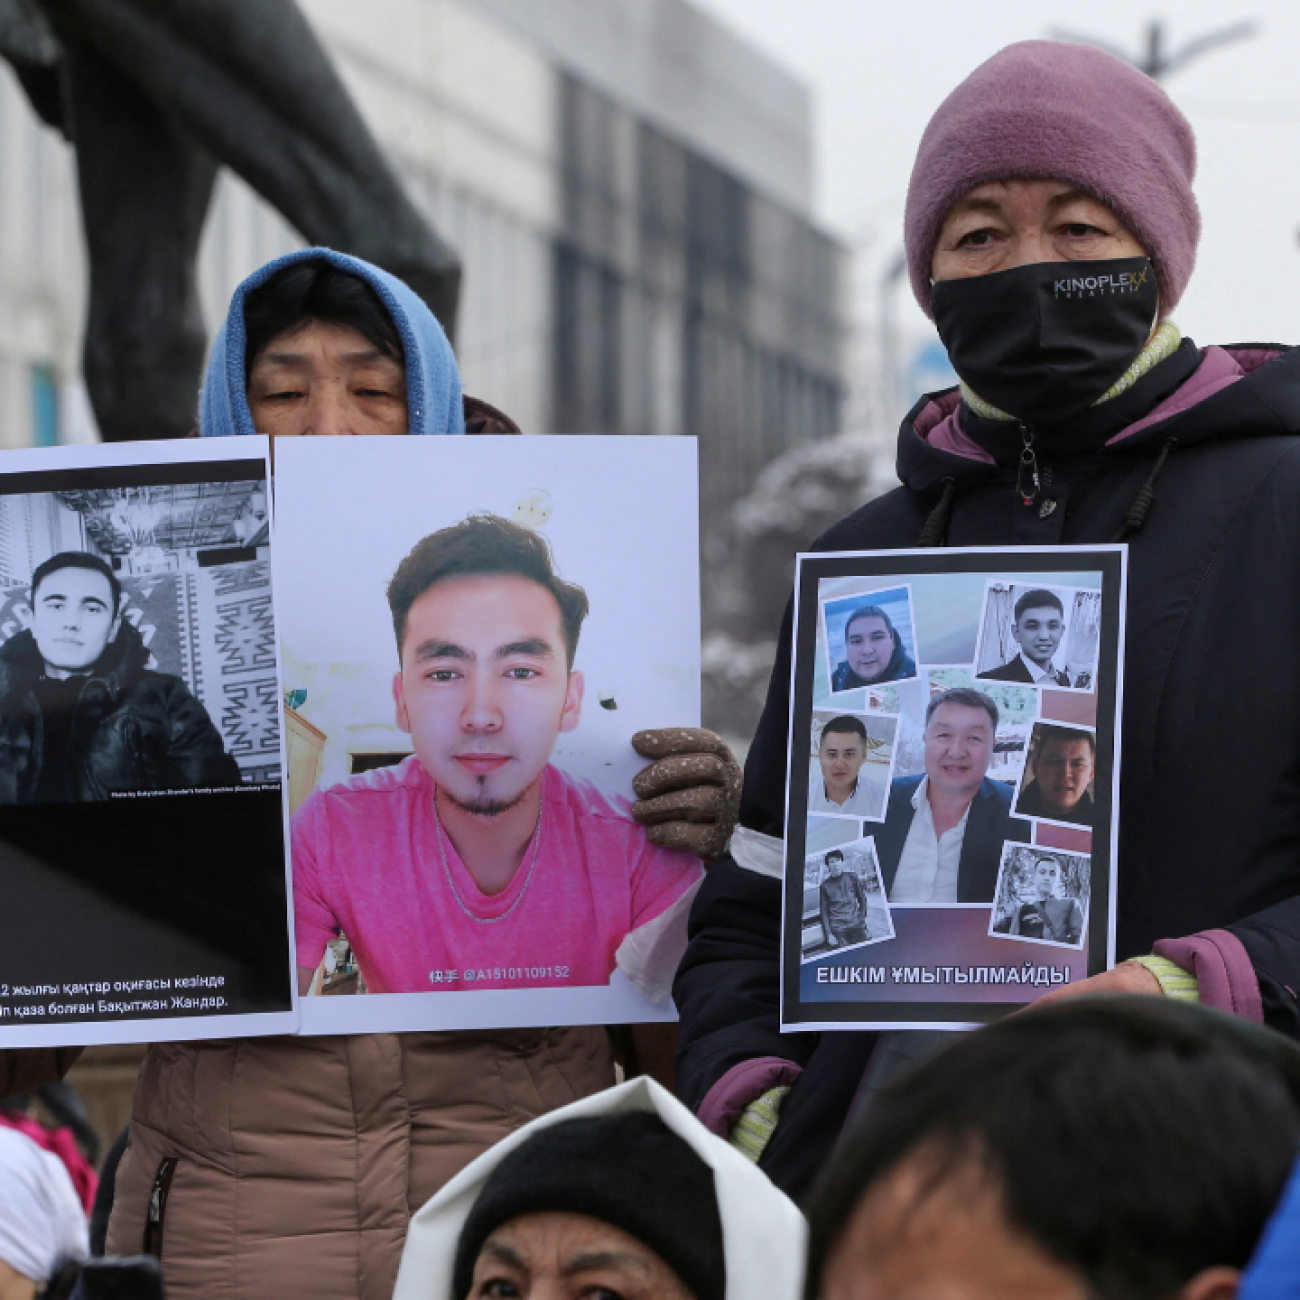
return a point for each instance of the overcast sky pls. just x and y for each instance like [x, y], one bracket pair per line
[878, 70]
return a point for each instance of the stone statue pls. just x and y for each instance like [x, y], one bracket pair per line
[155, 95]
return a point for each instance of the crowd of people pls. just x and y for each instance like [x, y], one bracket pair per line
[1134, 1136]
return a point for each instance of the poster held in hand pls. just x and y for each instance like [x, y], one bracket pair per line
[473, 629]
[983, 875]
[142, 840]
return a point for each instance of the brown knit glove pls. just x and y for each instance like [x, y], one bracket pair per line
[690, 796]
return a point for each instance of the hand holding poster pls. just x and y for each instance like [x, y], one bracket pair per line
[950, 852]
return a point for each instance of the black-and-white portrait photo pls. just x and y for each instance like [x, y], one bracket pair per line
[1042, 896]
[137, 642]
[844, 904]
[1060, 774]
[1039, 636]
[850, 764]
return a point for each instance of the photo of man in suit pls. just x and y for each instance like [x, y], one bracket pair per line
[1064, 763]
[1038, 629]
[942, 838]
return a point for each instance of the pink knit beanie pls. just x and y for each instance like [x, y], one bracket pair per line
[1059, 111]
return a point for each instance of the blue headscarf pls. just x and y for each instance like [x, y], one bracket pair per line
[433, 397]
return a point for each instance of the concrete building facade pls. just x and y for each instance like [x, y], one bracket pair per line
[626, 181]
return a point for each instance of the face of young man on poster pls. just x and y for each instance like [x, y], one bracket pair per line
[73, 620]
[484, 689]
[869, 647]
[1047, 878]
[1038, 632]
[841, 755]
[958, 749]
[1064, 771]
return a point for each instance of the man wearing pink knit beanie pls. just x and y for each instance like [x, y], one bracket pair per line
[1050, 230]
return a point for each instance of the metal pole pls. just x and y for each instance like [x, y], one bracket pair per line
[1156, 62]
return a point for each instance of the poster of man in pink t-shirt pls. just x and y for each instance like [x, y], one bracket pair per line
[476, 863]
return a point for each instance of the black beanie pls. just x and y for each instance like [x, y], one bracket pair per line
[629, 1170]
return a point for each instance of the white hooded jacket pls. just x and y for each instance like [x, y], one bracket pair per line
[763, 1233]
[42, 1224]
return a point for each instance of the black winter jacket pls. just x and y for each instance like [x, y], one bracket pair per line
[1210, 760]
[131, 729]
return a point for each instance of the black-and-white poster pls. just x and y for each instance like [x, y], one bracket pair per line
[141, 828]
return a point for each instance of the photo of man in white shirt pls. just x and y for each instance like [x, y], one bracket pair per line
[944, 830]
[842, 781]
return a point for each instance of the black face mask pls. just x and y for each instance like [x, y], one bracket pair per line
[1044, 341]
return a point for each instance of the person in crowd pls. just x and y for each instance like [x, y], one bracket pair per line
[1275, 1265]
[1115, 1148]
[81, 715]
[943, 832]
[42, 1222]
[1038, 628]
[478, 825]
[873, 652]
[841, 783]
[624, 1194]
[1063, 768]
[842, 901]
[1056, 164]
[69, 1135]
[286, 1166]
[1048, 913]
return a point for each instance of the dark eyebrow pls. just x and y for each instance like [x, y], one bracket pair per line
[1069, 197]
[603, 1259]
[441, 650]
[534, 647]
[507, 1255]
[976, 205]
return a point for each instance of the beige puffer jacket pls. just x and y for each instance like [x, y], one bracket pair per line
[290, 1166]
[281, 1167]
[285, 1167]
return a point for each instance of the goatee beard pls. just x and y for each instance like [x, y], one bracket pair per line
[483, 805]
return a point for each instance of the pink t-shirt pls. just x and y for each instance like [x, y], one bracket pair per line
[366, 861]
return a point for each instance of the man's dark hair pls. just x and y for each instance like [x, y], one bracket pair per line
[843, 725]
[834, 853]
[484, 545]
[77, 560]
[1137, 1140]
[305, 292]
[966, 695]
[1039, 598]
[870, 611]
[1067, 734]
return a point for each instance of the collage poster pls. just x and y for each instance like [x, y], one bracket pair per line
[952, 809]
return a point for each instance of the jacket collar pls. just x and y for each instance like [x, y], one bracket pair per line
[117, 670]
[1196, 395]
